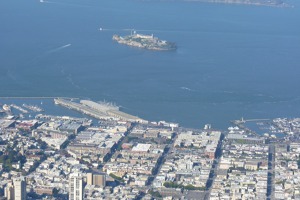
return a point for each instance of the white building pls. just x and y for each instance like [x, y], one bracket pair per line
[76, 186]
[20, 188]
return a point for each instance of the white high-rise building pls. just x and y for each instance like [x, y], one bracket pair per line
[76, 186]
[20, 188]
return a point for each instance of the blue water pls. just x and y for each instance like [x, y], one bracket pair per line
[232, 61]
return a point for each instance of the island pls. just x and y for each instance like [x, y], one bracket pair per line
[145, 41]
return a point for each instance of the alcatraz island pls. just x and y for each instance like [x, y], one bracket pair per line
[145, 41]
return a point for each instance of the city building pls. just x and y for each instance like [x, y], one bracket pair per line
[76, 186]
[99, 180]
[9, 191]
[89, 178]
[19, 188]
[96, 179]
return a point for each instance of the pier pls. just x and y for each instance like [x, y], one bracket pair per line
[19, 108]
[242, 120]
[102, 110]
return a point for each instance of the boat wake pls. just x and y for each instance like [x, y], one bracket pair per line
[59, 48]
[65, 4]
[44, 1]
[186, 88]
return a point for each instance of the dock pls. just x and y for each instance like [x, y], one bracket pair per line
[102, 110]
[19, 108]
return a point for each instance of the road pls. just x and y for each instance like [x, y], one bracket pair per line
[212, 176]
[168, 148]
[271, 174]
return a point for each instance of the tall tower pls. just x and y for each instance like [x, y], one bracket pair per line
[76, 186]
[20, 188]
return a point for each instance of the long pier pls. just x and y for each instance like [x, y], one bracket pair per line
[81, 108]
[19, 108]
[98, 111]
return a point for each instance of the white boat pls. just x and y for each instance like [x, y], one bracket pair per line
[6, 107]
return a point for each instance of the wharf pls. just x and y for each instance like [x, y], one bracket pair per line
[102, 110]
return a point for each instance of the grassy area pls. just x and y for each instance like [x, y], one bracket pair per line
[116, 177]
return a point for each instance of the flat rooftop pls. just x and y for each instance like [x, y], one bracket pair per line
[141, 147]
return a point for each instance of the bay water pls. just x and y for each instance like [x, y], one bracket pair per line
[232, 61]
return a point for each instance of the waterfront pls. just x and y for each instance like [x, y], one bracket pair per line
[231, 62]
[47, 104]
[45, 142]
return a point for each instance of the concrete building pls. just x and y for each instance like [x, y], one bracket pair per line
[89, 178]
[76, 186]
[19, 188]
[96, 179]
[99, 180]
[9, 191]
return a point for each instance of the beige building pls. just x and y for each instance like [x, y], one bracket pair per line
[99, 180]
[96, 179]
[89, 178]
[9, 191]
